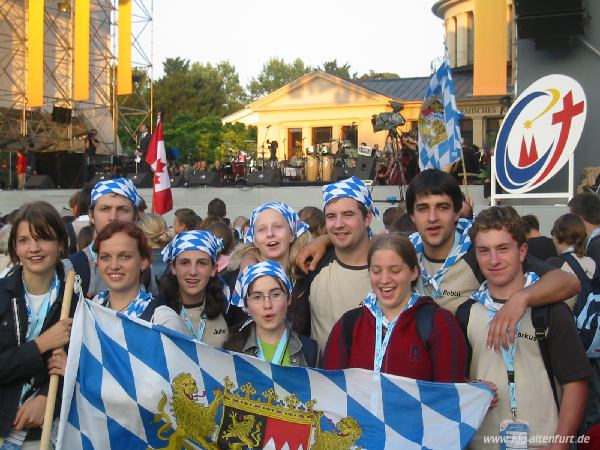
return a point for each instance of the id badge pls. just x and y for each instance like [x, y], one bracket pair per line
[513, 435]
[14, 441]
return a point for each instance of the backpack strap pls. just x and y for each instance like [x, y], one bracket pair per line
[425, 315]
[540, 320]
[72, 237]
[574, 264]
[462, 316]
[81, 266]
[348, 320]
[310, 350]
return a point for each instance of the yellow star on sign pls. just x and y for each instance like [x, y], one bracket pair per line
[528, 124]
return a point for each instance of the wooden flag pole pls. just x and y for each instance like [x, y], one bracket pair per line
[54, 379]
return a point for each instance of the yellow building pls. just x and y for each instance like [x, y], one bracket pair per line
[320, 108]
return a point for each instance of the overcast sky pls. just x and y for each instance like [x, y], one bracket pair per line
[400, 36]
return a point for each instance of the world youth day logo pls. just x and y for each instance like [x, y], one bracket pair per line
[539, 133]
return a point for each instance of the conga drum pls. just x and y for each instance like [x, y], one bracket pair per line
[328, 168]
[312, 168]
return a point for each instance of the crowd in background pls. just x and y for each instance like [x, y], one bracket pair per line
[440, 295]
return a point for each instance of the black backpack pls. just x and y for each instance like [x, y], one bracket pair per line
[587, 308]
[540, 320]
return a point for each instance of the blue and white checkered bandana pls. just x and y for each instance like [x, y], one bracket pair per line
[482, 295]
[204, 241]
[120, 186]
[458, 251]
[372, 305]
[296, 225]
[251, 273]
[135, 309]
[353, 188]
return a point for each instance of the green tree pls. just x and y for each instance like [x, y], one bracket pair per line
[275, 74]
[372, 75]
[333, 68]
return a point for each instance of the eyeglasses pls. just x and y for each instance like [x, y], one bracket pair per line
[275, 295]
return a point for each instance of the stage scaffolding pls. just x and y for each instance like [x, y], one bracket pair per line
[67, 127]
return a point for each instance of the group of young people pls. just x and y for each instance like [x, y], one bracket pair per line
[456, 301]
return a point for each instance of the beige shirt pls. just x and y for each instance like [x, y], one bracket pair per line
[216, 330]
[337, 288]
[458, 283]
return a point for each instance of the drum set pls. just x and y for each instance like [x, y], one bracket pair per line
[316, 163]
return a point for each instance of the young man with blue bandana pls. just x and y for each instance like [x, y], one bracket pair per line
[341, 279]
[449, 269]
[528, 403]
[111, 201]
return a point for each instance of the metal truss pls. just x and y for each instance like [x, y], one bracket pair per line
[102, 110]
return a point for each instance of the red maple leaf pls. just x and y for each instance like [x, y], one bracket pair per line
[159, 169]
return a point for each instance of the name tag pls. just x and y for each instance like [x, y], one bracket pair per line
[513, 435]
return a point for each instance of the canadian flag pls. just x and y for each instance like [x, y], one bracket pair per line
[156, 157]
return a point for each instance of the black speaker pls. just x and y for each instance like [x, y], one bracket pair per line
[39, 182]
[542, 7]
[267, 177]
[141, 180]
[61, 114]
[341, 173]
[204, 179]
[178, 180]
[365, 167]
[99, 177]
[549, 19]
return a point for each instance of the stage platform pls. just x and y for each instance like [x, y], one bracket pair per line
[241, 200]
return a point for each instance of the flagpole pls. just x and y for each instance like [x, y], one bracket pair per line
[465, 183]
[54, 379]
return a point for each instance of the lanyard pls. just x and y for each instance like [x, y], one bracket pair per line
[279, 353]
[190, 326]
[509, 361]
[382, 344]
[593, 234]
[36, 320]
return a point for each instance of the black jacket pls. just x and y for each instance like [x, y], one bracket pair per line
[20, 361]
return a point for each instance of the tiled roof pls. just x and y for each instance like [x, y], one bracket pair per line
[413, 89]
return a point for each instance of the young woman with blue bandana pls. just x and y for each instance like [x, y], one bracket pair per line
[263, 291]
[278, 232]
[192, 287]
[386, 333]
[123, 253]
[30, 330]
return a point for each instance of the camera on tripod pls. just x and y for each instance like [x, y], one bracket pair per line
[388, 120]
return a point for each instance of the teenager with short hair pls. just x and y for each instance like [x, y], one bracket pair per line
[341, 279]
[114, 200]
[526, 372]
[587, 206]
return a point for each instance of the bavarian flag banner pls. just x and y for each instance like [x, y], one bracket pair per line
[439, 127]
[133, 385]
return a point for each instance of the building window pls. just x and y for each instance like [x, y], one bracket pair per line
[321, 135]
[350, 133]
[492, 126]
[294, 140]
[466, 131]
